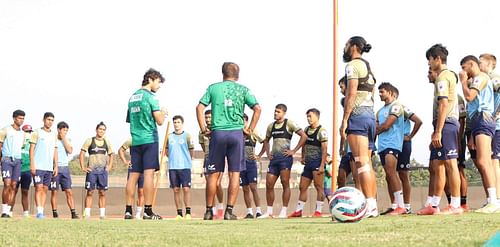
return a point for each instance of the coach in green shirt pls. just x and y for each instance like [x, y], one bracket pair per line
[227, 100]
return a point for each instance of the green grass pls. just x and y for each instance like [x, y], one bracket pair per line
[467, 230]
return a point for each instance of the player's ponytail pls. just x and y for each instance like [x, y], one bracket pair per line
[360, 42]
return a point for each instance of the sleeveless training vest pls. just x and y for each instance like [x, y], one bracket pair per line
[362, 85]
[313, 139]
[249, 142]
[281, 132]
[94, 149]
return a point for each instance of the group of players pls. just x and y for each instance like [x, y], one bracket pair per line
[455, 124]
[228, 138]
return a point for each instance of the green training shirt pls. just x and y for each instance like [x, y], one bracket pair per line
[228, 100]
[143, 128]
[25, 155]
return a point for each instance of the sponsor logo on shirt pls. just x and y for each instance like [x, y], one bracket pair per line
[135, 98]
[135, 109]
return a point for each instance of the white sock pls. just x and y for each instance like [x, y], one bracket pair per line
[300, 206]
[455, 202]
[372, 203]
[283, 211]
[4, 209]
[394, 206]
[26, 213]
[258, 210]
[492, 195]
[398, 196]
[435, 201]
[407, 206]
[87, 212]
[220, 205]
[214, 210]
[319, 206]
[249, 211]
[270, 210]
[102, 212]
[8, 209]
[138, 212]
[429, 200]
[39, 210]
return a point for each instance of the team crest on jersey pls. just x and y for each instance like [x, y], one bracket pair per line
[407, 109]
[476, 82]
[349, 71]
[496, 83]
[324, 134]
[395, 109]
[441, 85]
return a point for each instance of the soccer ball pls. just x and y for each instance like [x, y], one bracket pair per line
[348, 204]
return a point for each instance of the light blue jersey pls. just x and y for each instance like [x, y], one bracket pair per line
[45, 148]
[484, 101]
[62, 155]
[393, 137]
[12, 142]
[178, 151]
[495, 81]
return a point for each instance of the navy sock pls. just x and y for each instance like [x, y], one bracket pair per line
[128, 209]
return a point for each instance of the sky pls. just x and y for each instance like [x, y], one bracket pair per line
[82, 60]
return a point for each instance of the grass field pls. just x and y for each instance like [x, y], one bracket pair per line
[468, 230]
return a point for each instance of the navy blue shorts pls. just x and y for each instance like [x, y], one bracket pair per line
[179, 178]
[25, 181]
[96, 180]
[483, 123]
[226, 143]
[144, 157]
[345, 163]
[42, 177]
[495, 146]
[310, 167]
[404, 157]
[449, 141]
[140, 181]
[249, 175]
[388, 151]
[327, 191]
[62, 180]
[279, 163]
[11, 169]
[363, 125]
